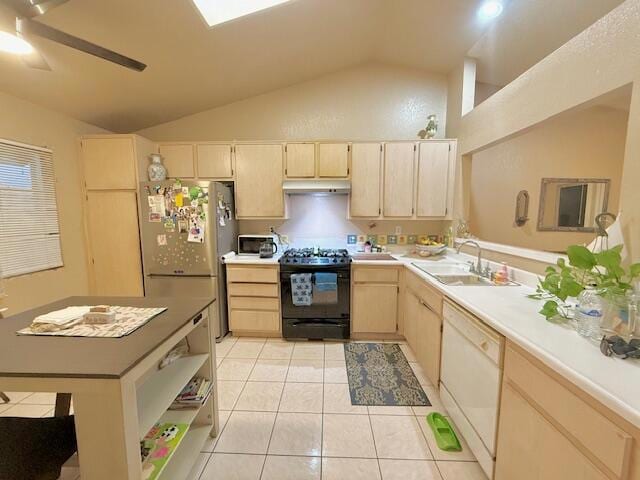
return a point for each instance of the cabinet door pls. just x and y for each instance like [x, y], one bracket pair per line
[366, 173]
[398, 179]
[531, 448]
[429, 341]
[258, 187]
[178, 159]
[333, 160]
[109, 163]
[214, 161]
[411, 314]
[433, 179]
[375, 308]
[114, 243]
[301, 160]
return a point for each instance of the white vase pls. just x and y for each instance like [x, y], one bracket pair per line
[157, 172]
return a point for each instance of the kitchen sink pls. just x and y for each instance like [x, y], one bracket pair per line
[457, 275]
[460, 280]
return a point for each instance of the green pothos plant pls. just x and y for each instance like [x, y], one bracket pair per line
[602, 270]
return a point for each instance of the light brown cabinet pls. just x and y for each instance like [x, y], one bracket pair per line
[179, 159]
[366, 180]
[214, 161]
[112, 166]
[423, 324]
[375, 299]
[399, 169]
[254, 300]
[259, 177]
[432, 179]
[301, 160]
[333, 160]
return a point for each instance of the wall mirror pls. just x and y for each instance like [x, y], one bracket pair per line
[572, 204]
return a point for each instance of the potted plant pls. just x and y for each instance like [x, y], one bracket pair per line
[602, 270]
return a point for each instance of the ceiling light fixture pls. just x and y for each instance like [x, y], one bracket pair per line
[13, 44]
[490, 10]
[216, 12]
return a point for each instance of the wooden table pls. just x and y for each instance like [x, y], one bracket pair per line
[118, 391]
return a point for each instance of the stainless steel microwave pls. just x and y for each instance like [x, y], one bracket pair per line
[250, 244]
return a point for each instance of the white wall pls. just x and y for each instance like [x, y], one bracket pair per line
[367, 102]
[28, 123]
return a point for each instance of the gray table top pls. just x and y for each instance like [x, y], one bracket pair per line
[86, 357]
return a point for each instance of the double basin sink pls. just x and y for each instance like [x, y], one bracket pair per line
[447, 272]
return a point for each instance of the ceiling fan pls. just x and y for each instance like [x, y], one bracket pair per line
[26, 27]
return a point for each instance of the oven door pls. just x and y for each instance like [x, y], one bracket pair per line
[338, 309]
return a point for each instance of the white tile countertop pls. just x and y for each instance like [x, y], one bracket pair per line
[613, 382]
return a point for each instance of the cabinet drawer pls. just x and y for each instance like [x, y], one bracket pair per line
[487, 340]
[254, 303]
[253, 290]
[252, 274]
[423, 291]
[254, 321]
[599, 436]
[376, 275]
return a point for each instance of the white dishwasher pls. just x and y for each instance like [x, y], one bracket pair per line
[471, 378]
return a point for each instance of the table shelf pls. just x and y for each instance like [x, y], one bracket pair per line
[160, 389]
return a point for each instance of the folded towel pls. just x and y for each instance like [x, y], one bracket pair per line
[59, 320]
[301, 289]
[326, 282]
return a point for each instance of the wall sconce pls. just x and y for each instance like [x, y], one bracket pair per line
[522, 208]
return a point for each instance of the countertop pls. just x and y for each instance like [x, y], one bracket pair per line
[613, 382]
[251, 260]
[90, 357]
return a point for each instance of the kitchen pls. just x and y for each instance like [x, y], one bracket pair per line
[373, 188]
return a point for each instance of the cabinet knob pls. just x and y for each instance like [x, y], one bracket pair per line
[484, 346]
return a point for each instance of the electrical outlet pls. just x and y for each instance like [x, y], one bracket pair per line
[284, 238]
[398, 229]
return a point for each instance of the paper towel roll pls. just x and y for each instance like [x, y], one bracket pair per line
[227, 256]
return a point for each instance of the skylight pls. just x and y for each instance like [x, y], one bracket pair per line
[216, 12]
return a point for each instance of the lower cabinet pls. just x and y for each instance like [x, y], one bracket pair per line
[254, 300]
[374, 299]
[423, 324]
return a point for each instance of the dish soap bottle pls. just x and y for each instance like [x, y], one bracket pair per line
[589, 313]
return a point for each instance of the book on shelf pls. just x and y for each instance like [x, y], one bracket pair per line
[158, 446]
[194, 394]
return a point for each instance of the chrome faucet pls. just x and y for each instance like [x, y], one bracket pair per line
[477, 268]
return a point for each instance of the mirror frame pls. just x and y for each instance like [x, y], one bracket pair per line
[543, 193]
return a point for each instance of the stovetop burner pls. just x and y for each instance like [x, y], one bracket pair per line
[315, 256]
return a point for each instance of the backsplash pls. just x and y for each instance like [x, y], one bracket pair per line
[322, 220]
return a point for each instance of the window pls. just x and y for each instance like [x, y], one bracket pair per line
[216, 12]
[29, 230]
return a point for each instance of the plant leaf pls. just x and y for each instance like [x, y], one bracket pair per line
[581, 257]
[550, 309]
[610, 259]
[634, 270]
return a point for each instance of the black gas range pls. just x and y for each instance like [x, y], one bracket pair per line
[324, 311]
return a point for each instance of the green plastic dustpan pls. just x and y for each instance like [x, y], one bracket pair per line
[445, 436]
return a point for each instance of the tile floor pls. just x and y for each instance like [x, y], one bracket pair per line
[286, 414]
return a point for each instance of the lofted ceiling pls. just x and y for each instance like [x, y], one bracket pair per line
[528, 31]
[192, 68]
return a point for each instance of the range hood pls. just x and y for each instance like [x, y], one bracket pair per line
[296, 187]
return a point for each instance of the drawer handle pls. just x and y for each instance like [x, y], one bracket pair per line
[427, 306]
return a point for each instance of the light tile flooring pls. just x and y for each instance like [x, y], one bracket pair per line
[286, 414]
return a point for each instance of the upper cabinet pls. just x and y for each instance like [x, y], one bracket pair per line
[109, 162]
[333, 160]
[433, 175]
[399, 172]
[179, 159]
[214, 161]
[259, 177]
[366, 180]
[301, 160]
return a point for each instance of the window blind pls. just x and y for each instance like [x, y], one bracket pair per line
[29, 229]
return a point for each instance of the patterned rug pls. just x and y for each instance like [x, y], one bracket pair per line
[379, 375]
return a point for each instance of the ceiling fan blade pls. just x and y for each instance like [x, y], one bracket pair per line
[30, 27]
[31, 8]
[35, 60]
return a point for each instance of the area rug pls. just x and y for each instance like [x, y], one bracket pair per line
[379, 375]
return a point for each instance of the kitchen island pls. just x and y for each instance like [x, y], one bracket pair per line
[119, 393]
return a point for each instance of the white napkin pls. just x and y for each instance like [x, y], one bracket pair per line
[61, 319]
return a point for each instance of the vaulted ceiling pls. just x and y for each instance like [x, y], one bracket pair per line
[193, 68]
